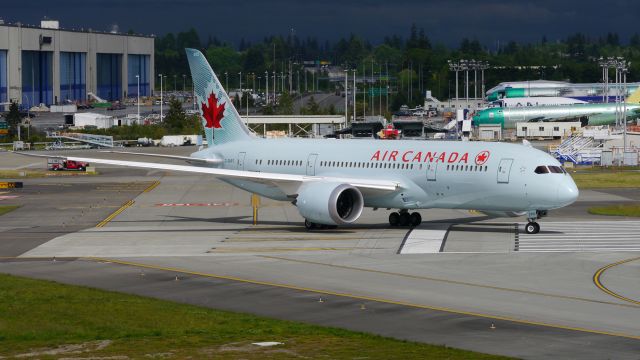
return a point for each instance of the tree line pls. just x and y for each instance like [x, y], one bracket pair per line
[413, 63]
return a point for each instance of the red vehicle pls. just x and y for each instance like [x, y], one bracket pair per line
[60, 164]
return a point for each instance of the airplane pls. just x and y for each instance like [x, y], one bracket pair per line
[588, 92]
[331, 181]
[535, 101]
[587, 114]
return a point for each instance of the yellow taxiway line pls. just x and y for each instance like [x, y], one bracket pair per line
[152, 186]
[598, 281]
[447, 281]
[114, 214]
[366, 298]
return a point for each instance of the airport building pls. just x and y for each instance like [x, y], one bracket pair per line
[49, 65]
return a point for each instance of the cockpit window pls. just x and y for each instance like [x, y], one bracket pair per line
[541, 170]
[556, 169]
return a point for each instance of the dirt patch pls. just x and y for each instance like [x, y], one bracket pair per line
[68, 349]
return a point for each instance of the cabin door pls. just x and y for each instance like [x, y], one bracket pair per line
[431, 171]
[241, 157]
[311, 164]
[504, 169]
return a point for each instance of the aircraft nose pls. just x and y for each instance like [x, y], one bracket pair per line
[567, 191]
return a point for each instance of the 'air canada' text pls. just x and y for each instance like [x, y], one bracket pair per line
[419, 156]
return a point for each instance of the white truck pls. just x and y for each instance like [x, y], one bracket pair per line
[180, 140]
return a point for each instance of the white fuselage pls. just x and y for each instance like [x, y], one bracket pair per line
[431, 174]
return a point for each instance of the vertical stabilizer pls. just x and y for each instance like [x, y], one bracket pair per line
[221, 121]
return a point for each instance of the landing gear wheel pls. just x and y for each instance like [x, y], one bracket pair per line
[415, 219]
[405, 219]
[309, 225]
[394, 219]
[532, 228]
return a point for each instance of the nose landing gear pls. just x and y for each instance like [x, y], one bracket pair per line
[532, 227]
[404, 218]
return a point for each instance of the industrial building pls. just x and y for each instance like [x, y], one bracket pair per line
[49, 65]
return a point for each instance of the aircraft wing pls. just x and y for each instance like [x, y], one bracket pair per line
[188, 159]
[288, 183]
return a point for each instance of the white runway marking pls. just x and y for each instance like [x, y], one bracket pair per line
[581, 237]
[425, 241]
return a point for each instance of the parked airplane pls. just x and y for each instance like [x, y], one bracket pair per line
[535, 101]
[331, 181]
[588, 114]
[588, 92]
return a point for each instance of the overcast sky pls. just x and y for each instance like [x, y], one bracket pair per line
[444, 21]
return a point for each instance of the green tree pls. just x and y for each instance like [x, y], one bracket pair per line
[176, 120]
[311, 107]
[285, 104]
[224, 59]
[13, 119]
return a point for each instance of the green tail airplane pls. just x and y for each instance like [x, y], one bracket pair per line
[587, 114]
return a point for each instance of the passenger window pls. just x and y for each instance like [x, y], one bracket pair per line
[541, 170]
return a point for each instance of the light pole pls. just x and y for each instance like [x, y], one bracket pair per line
[465, 67]
[455, 66]
[266, 86]
[484, 65]
[346, 96]
[240, 96]
[247, 95]
[474, 66]
[184, 82]
[355, 89]
[138, 78]
[174, 82]
[160, 75]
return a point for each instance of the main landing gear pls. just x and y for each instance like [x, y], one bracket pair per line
[403, 218]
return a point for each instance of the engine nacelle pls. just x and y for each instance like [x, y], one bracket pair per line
[330, 203]
[504, 213]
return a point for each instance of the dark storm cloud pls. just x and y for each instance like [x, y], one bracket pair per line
[444, 21]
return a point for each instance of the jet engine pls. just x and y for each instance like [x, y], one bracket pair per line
[329, 203]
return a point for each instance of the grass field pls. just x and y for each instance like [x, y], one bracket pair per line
[49, 320]
[617, 210]
[607, 179]
[7, 208]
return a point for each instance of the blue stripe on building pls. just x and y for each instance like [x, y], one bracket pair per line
[3, 76]
[138, 65]
[37, 78]
[109, 71]
[73, 79]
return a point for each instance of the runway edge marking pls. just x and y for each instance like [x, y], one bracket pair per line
[362, 297]
[598, 282]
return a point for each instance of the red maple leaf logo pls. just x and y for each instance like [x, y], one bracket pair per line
[213, 112]
[482, 157]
